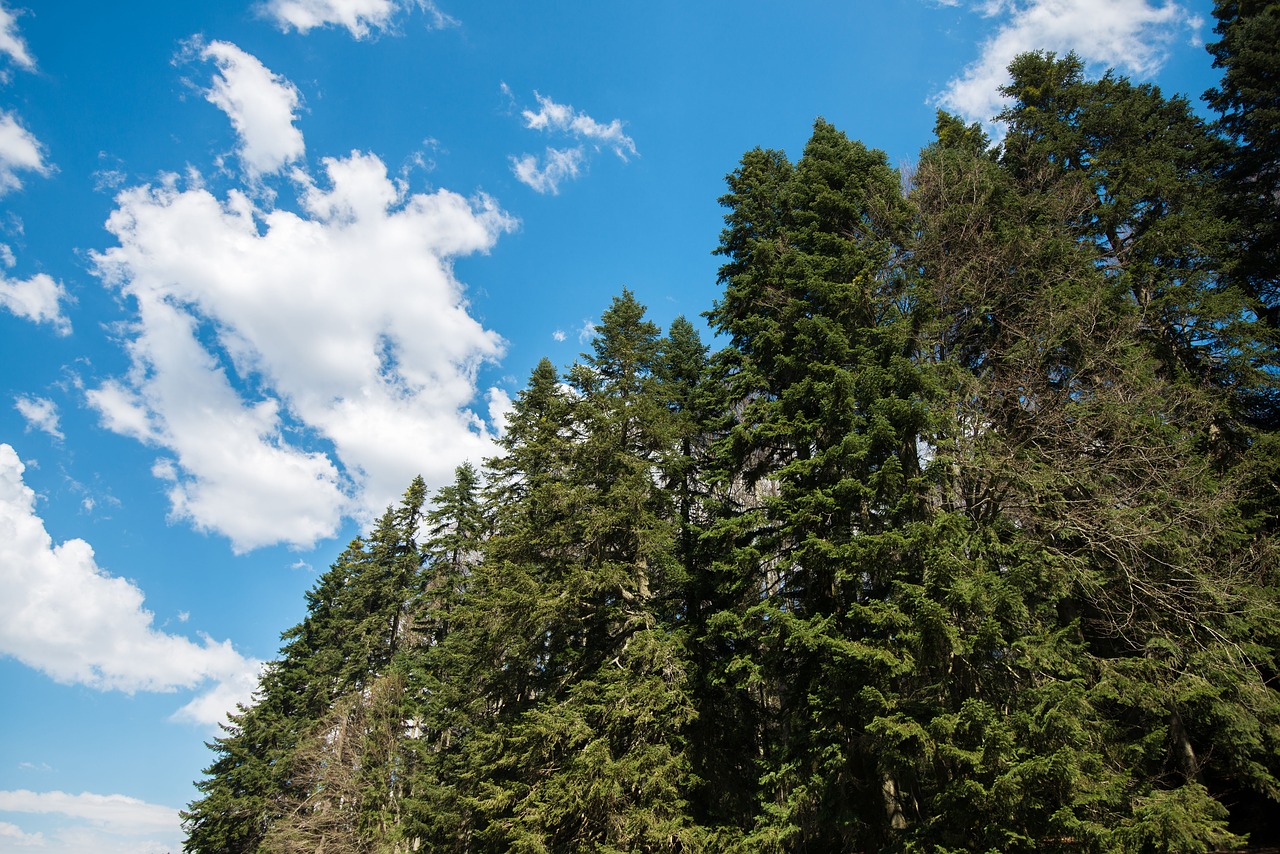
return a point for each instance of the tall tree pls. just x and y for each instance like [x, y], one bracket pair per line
[261, 783]
[1108, 375]
[824, 448]
[1248, 102]
[579, 684]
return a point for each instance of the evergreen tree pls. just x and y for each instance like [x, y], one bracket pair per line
[599, 762]
[271, 764]
[966, 541]
[1105, 376]
[1248, 101]
[249, 786]
[825, 449]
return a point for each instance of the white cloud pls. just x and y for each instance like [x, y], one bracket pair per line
[38, 298]
[342, 327]
[587, 331]
[231, 471]
[500, 408]
[32, 766]
[11, 43]
[360, 17]
[1132, 35]
[19, 151]
[63, 615]
[558, 165]
[12, 835]
[109, 824]
[108, 811]
[563, 118]
[559, 335]
[262, 107]
[41, 414]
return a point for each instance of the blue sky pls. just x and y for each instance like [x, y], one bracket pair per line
[263, 262]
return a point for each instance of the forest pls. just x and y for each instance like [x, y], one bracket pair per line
[967, 539]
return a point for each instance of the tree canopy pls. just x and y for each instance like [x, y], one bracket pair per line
[966, 538]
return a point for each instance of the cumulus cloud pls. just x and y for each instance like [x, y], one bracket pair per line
[38, 299]
[1132, 35]
[65, 616]
[500, 408]
[40, 413]
[19, 152]
[360, 17]
[91, 822]
[546, 176]
[12, 44]
[296, 367]
[262, 107]
[228, 469]
[14, 836]
[560, 164]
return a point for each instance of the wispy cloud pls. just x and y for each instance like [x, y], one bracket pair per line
[12, 44]
[361, 18]
[20, 151]
[40, 413]
[563, 118]
[560, 164]
[1132, 35]
[12, 835]
[556, 166]
[262, 106]
[110, 824]
[64, 615]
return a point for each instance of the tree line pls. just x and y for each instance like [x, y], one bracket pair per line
[966, 540]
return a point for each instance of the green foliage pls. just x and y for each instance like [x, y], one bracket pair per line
[1248, 101]
[965, 542]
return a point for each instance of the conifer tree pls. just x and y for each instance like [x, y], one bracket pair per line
[596, 726]
[263, 785]
[1248, 101]
[1105, 382]
[826, 446]
[965, 542]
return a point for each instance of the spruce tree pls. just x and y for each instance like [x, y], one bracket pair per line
[265, 788]
[824, 448]
[1248, 102]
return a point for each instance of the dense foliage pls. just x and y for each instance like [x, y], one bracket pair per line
[966, 540]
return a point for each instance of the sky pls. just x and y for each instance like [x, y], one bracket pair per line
[261, 263]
